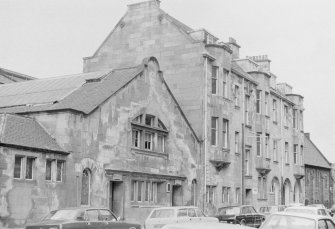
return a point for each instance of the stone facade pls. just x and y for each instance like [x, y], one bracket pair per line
[134, 151]
[217, 91]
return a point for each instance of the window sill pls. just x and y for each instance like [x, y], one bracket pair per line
[143, 205]
[149, 152]
[262, 199]
[22, 180]
[248, 176]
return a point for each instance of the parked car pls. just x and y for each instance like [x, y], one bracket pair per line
[322, 206]
[293, 220]
[159, 217]
[203, 225]
[268, 210]
[75, 218]
[308, 210]
[244, 215]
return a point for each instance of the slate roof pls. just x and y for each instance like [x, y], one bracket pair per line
[235, 68]
[313, 156]
[23, 132]
[81, 92]
[8, 76]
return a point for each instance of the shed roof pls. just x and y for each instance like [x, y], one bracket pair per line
[20, 131]
[8, 76]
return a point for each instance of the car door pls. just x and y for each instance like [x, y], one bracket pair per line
[93, 222]
[109, 220]
[322, 224]
[182, 216]
[192, 215]
[330, 224]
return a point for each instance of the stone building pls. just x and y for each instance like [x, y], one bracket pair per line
[8, 76]
[319, 181]
[242, 117]
[114, 138]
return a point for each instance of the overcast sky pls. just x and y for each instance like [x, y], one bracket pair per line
[45, 38]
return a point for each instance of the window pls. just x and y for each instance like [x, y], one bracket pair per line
[258, 144]
[215, 70]
[54, 170]
[136, 138]
[160, 143]
[275, 150]
[210, 194]
[18, 166]
[247, 162]
[144, 191]
[224, 84]
[301, 122]
[24, 167]
[295, 118]
[267, 145]
[285, 115]
[274, 111]
[262, 187]
[149, 135]
[148, 141]
[258, 101]
[224, 193]
[237, 95]
[237, 196]
[266, 103]
[286, 153]
[237, 142]
[247, 118]
[86, 187]
[194, 192]
[214, 131]
[301, 154]
[295, 154]
[225, 133]
[147, 191]
[92, 215]
[139, 190]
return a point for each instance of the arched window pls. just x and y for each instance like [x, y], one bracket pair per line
[148, 133]
[194, 192]
[86, 187]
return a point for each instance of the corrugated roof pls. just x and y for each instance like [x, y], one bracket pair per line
[19, 131]
[313, 156]
[69, 92]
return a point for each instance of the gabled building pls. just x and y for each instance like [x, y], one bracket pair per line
[114, 138]
[249, 156]
[8, 76]
[318, 170]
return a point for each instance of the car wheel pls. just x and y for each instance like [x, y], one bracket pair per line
[242, 222]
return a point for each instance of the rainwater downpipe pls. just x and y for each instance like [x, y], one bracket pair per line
[243, 145]
[282, 152]
[205, 132]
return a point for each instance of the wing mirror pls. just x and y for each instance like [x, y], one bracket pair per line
[118, 218]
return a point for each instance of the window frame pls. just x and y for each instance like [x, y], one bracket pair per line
[214, 80]
[214, 131]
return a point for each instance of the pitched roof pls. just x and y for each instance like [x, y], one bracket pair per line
[81, 92]
[8, 76]
[239, 71]
[313, 156]
[19, 131]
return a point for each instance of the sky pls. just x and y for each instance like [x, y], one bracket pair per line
[45, 38]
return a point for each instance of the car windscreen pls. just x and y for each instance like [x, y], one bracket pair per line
[300, 210]
[62, 215]
[162, 213]
[229, 211]
[288, 222]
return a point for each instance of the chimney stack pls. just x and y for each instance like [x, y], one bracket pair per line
[234, 47]
[263, 61]
[142, 3]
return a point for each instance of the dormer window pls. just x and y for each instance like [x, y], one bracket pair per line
[148, 133]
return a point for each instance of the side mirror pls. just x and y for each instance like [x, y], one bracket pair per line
[118, 218]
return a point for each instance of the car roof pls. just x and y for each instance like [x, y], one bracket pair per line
[303, 215]
[233, 206]
[175, 207]
[82, 208]
[201, 225]
[304, 207]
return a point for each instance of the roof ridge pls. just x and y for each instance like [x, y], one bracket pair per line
[323, 156]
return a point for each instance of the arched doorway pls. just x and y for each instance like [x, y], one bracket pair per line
[297, 192]
[275, 190]
[287, 191]
[86, 187]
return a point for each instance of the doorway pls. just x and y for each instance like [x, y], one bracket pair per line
[177, 195]
[116, 197]
[248, 196]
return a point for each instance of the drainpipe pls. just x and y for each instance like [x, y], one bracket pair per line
[282, 153]
[205, 131]
[243, 145]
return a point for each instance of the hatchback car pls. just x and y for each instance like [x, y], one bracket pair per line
[244, 215]
[293, 220]
[88, 218]
[308, 210]
[159, 217]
